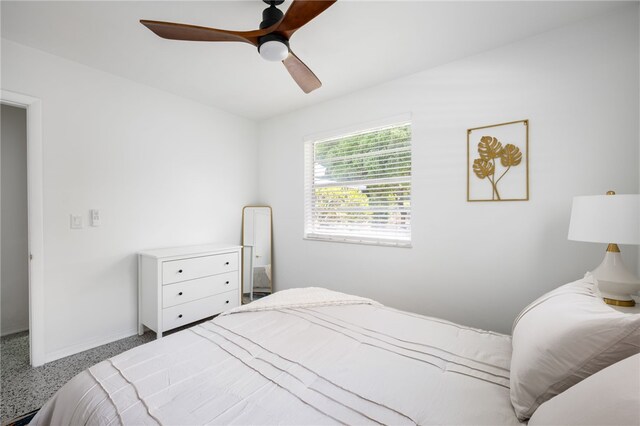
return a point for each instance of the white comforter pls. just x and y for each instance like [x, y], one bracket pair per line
[302, 357]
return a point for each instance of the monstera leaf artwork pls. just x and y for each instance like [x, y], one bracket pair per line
[489, 148]
[483, 168]
[496, 158]
[511, 156]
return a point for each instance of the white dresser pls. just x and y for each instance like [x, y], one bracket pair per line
[177, 286]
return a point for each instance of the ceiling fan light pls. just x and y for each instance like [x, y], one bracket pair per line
[274, 50]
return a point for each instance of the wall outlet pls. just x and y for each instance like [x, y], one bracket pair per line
[94, 217]
[76, 222]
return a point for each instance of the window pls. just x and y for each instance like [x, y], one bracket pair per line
[358, 187]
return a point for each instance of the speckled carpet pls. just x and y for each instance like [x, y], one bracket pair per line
[25, 389]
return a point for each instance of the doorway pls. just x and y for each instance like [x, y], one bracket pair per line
[33, 257]
[14, 250]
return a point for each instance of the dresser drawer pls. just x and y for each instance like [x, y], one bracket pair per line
[186, 313]
[197, 267]
[187, 291]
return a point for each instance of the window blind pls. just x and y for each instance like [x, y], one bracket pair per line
[358, 187]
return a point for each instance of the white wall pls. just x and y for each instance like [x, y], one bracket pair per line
[164, 171]
[15, 278]
[476, 263]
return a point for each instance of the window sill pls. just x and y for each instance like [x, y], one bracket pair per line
[355, 240]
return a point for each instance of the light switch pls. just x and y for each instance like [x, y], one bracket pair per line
[94, 216]
[76, 222]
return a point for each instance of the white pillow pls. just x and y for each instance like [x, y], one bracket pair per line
[564, 337]
[609, 397]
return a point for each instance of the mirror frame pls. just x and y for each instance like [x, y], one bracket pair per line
[242, 244]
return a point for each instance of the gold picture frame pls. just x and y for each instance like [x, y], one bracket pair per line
[498, 165]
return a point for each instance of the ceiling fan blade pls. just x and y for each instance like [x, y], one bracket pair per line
[301, 73]
[174, 31]
[300, 13]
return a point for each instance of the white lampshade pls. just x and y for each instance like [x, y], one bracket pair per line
[606, 219]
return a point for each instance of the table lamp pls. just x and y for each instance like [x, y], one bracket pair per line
[612, 219]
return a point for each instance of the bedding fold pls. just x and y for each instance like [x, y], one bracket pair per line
[301, 298]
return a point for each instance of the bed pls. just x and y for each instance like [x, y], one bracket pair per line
[302, 356]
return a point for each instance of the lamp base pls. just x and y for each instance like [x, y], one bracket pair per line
[623, 303]
[615, 282]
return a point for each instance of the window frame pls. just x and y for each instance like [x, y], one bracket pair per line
[309, 176]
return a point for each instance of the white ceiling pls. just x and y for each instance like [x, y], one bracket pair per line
[353, 45]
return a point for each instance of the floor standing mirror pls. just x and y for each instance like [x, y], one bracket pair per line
[257, 268]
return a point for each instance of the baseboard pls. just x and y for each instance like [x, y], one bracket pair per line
[18, 330]
[85, 346]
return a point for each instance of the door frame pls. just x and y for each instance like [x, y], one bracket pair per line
[35, 183]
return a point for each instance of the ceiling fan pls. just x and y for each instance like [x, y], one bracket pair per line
[272, 39]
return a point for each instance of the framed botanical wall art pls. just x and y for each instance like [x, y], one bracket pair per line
[498, 162]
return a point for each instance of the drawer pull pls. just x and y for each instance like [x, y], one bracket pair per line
[226, 283]
[226, 301]
[226, 263]
[180, 294]
[180, 316]
[179, 271]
